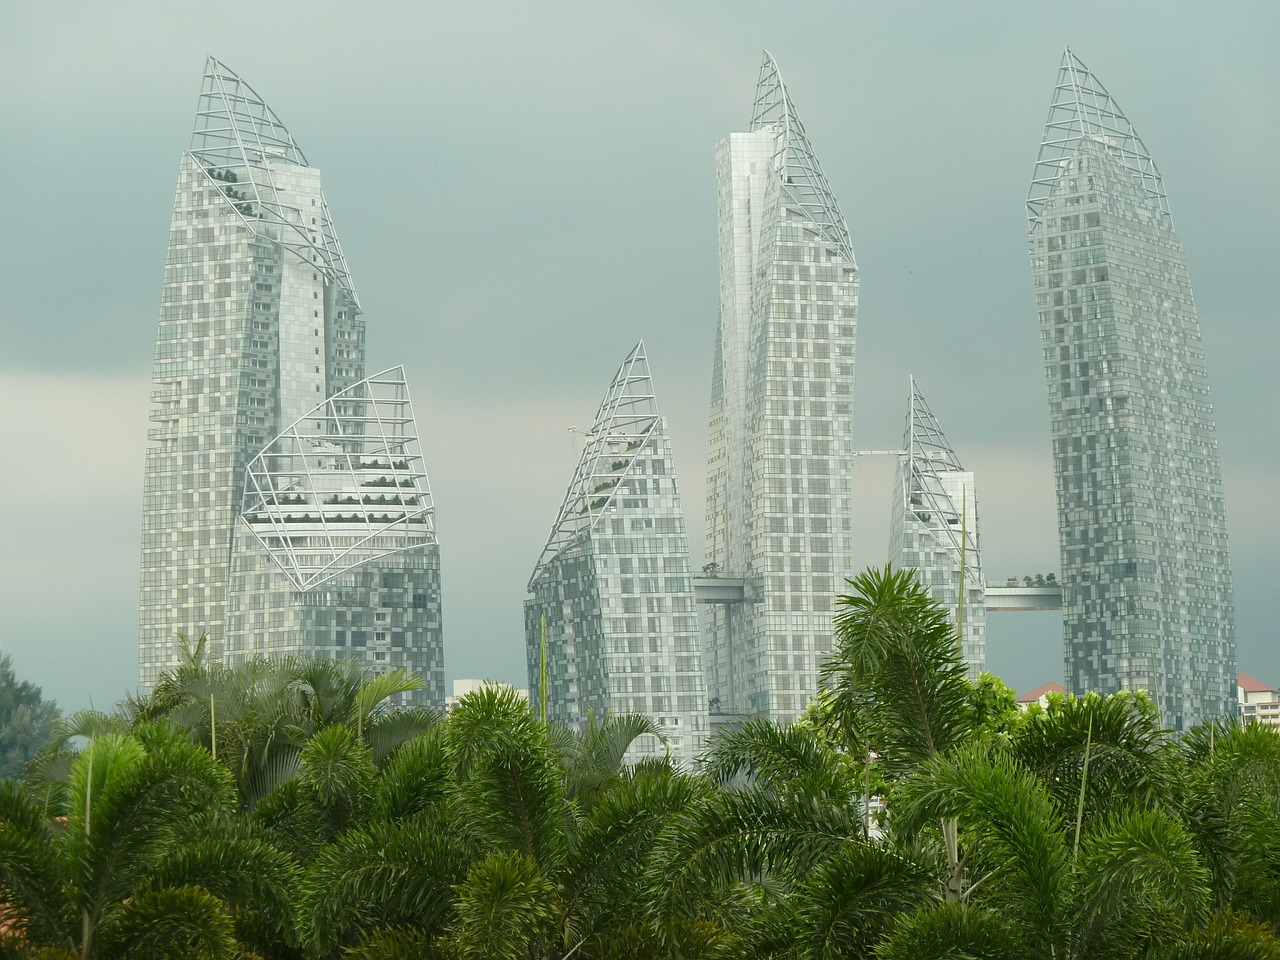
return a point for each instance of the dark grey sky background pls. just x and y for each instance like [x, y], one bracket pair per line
[524, 190]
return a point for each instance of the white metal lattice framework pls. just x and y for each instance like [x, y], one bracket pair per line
[803, 183]
[324, 496]
[1082, 110]
[626, 418]
[927, 456]
[238, 136]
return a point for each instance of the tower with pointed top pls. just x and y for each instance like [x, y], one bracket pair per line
[779, 494]
[611, 597]
[262, 415]
[1146, 570]
[934, 527]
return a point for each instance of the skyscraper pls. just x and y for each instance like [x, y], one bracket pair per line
[260, 361]
[1146, 569]
[612, 593]
[934, 527]
[779, 493]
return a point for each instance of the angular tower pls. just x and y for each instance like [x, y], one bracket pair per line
[260, 354]
[1146, 571]
[934, 528]
[779, 494]
[612, 600]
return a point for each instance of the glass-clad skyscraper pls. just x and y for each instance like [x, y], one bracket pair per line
[934, 527]
[779, 494]
[260, 361]
[1146, 569]
[611, 619]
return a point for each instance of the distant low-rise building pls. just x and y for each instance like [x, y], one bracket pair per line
[1039, 695]
[1259, 703]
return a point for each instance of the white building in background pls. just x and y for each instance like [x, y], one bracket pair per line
[286, 508]
[934, 527]
[779, 491]
[1146, 569]
[1259, 703]
[612, 593]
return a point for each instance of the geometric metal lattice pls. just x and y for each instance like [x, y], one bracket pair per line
[803, 183]
[626, 418]
[324, 496]
[927, 457]
[236, 140]
[1083, 110]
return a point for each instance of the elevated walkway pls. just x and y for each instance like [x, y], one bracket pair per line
[719, 589]
[1004, 598]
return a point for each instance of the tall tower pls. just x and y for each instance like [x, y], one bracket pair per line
[1146, 569]
[779, 493]
[612, 598]
[934, 527]
[260, 359]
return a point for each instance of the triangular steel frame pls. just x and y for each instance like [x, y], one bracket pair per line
[312, 482]
[1083, 110]
[803, 182]
[627, 417]
[236, 133]
[927, 455]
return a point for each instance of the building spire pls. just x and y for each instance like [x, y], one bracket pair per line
[626, 418]
[803, 182]
[1082, 110]
[237, 140]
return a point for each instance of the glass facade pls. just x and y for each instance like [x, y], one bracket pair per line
[779, 492]
[934, 528]
[612, 599]
[259, 326]
[1147, 600]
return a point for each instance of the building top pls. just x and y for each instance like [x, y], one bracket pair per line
[237, 140]
[803, 182]
[1082, 110]
[1031, 696]
[627, 417]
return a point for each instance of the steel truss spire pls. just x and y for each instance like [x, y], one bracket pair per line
[928, 456]
[237, 141]
[803, 182]
[1081, 111]
[342, 486]
[626, 418]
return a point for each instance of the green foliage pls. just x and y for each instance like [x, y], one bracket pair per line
[898, 684]
[951, 931]
[26, 720]
[282, 810]
[506, 908]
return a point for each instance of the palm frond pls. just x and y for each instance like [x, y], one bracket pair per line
[1142, 883]
[176, 923]
[384, 876]
[1017, 840]
[505, 906]
[950, 931]
[896, 673]
[850, 900]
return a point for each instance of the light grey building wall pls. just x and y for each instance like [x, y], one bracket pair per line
[611, 596]
[259, 327]
[1146, 570]
[934, 527]
[779, 492]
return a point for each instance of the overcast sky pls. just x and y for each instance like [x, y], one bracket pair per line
[523, 190]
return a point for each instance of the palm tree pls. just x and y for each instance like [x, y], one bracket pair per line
[148, 861]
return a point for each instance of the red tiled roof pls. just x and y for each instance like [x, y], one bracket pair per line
[1031, 696]
[1250, 685]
